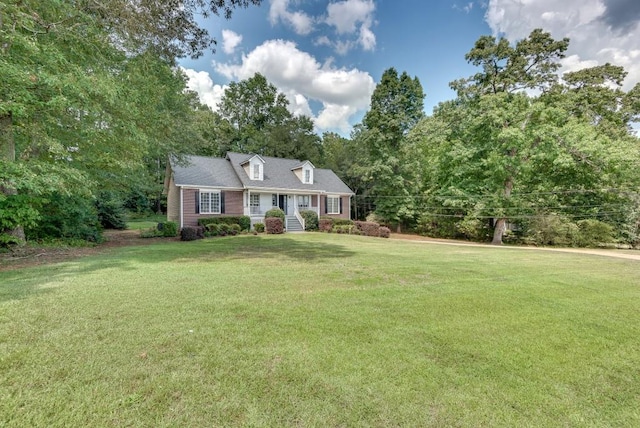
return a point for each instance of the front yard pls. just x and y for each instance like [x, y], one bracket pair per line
[321, 330]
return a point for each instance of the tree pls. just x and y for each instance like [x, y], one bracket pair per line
[506, 155]
[73, 105]
[389, 166]
[262, 123]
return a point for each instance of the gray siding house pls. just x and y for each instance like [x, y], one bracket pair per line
[250, 184]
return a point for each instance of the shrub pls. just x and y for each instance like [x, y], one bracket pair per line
[474, 229]
[212, 229]
[310, 219]
[259, 227]
[274, 225]
[368, 228]
[342, 222]
[594, 233]
[274, 213]
[242, 220]
[234, 229]
[343, 228]
[170, 229]
[191, 233]
[223, 229]
[384, 232]
[325, 224]
[66, 217]
[111, 212]
[552, 229]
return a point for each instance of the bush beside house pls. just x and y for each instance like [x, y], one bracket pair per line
[274, 225]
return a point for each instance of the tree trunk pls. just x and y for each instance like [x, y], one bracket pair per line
[501, 223]
[498, 231]
[8, 152]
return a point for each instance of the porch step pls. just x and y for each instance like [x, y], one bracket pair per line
[293, 225]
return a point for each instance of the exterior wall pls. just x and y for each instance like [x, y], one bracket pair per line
[173, 202]
[346, 208]
[233, 202]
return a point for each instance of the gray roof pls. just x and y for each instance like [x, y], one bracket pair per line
[278, 174]
[205, 172]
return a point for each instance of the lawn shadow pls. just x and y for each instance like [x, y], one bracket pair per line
[22, 283]
[14, 285]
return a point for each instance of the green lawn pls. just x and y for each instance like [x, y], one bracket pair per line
[146, 222]
[321, 330]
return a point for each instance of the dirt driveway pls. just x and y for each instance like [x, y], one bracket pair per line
[622, 254]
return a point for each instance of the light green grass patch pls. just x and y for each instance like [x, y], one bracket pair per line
[321, 330]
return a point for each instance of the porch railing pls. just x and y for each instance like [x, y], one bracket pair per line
[300, 219]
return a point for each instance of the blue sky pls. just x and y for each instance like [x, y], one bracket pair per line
[327, 56]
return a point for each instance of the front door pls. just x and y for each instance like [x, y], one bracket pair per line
[282, 203]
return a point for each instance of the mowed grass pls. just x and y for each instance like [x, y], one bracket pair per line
[321, 330]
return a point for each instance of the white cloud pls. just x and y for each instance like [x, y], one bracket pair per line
[201, 83]
[352, 17]
[600, 31]
[230, 41]
[298, 75]
[301, 22]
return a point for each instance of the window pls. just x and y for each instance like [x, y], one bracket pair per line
[303, 202]
[254, 203]
[209, 202]
[307, 176]
[333, 204]
[256, 172]
[274, 200]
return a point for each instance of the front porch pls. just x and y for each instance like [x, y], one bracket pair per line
[258, 203]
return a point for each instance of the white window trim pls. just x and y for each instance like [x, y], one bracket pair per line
[337, 204]
[210, 204]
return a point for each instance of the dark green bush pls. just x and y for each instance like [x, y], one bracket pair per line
[111, 212]
[211, 229]
[594, 233]
[234, 229]
[310, 219]
[66, 217]
[552, 229]
[274, 225]
[170, 229]
[259, 227]
[191, 233]
[274, 213]
[242, 220]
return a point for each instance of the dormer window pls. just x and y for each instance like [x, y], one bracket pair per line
[254, 167]
[304, 172]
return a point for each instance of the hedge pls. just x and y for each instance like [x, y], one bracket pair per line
[325, 224]
[242, 220]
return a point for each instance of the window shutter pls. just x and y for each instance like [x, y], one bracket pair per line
[326, 202]
[340, 199]
[197, 202]
[221, 202]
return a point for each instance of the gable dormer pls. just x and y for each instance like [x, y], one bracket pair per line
[304, 172]
[254, 168]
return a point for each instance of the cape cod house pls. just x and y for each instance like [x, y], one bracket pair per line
[250, 184]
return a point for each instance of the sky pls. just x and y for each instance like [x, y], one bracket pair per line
[327, 56]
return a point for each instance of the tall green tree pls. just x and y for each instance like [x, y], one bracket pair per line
[73, 105]
[506, 156]
[258, 113]
[390, 168]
